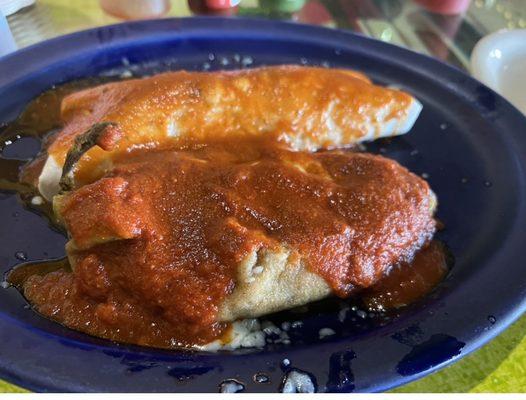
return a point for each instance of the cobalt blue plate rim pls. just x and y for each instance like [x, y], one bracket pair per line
[438, 332]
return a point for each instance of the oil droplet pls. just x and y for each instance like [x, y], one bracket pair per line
[285, 362]
[261, 378]
[492, 319]
[20, 255]
[488, 184]
[231, 386]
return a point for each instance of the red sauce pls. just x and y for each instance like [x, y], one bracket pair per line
[408, 282]
[159, 237]
[169, 108]
[156, 243]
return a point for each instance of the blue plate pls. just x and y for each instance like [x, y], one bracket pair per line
[469, 141]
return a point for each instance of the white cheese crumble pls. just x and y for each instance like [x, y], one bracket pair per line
[272, 331]
[257, 270]
[253, 333]
[231, 386]
[269, 328]
[245, 333]
[298, 382]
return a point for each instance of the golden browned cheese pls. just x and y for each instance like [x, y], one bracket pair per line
[307, 108]
[156, 243]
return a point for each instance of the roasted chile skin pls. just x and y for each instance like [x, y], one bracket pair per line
[156, 242]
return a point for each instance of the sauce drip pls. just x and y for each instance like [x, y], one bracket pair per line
[408, 282]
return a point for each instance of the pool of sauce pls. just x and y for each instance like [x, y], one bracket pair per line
[407, 282]
[152, 313]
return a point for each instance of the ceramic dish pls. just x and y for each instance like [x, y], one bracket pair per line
[468, 142]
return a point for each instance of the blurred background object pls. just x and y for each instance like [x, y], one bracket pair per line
[445, 29]
[8, 7]
[224, 8]
[221, 4]
[135, 9]
[499, 60]
[7, 42]
[446, 7]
